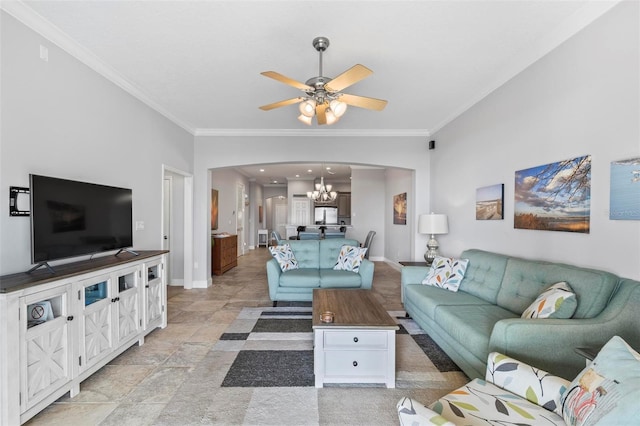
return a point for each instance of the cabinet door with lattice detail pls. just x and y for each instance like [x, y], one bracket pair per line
[96, 335]
[45, 351]
[128, 303]
[153, 295]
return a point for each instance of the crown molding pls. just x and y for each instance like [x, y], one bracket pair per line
[314, 132]
[570, 27]
[39, 24]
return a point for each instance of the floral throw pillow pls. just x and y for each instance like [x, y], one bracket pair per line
[558, 301]
[446, 272]
[284, 255]
[607, 391]
[350, 258]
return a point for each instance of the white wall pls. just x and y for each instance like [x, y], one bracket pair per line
[226, 181]
[398, 239]
[368, 205]
[59, 118]
[582, 98]
[176, 255]
[220, 151]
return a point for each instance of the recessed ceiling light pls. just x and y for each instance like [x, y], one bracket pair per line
[261, 170]
[275, 181]
[297, 175]
[328, 168]
[309, 171]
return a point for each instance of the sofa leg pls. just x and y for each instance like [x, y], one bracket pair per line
[275, 303]
[406, 315]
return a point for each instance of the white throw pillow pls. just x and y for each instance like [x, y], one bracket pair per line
[446, 273]
[350, 258]
[557, 301]
[284, 255]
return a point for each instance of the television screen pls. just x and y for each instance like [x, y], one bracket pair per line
[70, 218]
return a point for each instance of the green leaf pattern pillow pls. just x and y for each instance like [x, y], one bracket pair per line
[350, 258]
[285, 257]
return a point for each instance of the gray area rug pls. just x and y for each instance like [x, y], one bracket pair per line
[277, 351]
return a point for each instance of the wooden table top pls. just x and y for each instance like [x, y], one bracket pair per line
[352, 308]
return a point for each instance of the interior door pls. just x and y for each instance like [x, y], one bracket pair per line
[240, 197]
[280, 217]
[166, 225]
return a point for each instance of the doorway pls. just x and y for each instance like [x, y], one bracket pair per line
[177, 225]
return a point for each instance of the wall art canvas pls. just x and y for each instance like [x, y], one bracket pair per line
[400, 209]
[489, 202]
[554, 197]
[214, 209]
[624, 198]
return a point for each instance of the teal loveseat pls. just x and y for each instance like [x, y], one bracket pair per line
[484, 315]
[316, 259]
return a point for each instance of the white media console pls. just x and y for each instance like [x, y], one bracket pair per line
[58, 329]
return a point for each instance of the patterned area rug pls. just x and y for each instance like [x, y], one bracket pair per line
[275, 349]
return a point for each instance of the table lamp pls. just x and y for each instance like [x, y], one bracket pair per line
[432, 224]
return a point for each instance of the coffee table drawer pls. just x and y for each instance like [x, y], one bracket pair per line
[355, 364]
[355, 339]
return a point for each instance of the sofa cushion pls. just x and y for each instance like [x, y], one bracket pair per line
[607, 391]
[284, 256]
[330, 278]
[471, 325]
[428, 298]
[350, 258]
[484, 274]
[524, 280]
[483, 403]
[558, 301]
[302, 277]
[306, 252]
[330, 250]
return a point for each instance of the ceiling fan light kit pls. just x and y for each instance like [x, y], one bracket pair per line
[323, 97]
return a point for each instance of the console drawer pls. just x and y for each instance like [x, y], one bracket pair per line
[355, 364]
[354, 340]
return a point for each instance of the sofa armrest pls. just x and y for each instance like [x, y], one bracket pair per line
[273, 277]
[412, 413]
[526, 381]
[366, 273]
[412, 275]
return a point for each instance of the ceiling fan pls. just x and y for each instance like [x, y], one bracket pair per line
[323, 96]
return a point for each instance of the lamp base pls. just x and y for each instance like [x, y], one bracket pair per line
[432, 250]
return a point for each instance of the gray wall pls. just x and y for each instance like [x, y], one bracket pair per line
[582, 98]
[60, 118]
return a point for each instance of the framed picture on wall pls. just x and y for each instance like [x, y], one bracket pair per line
[624, 196]
[554, 197]
[214, 209]
[400, 209]
[490, 202]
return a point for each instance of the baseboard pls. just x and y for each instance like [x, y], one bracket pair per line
[202, 283]
[177, 282]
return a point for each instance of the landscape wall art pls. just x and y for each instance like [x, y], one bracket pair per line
[490, 202]
[554, 197]
[624, 201]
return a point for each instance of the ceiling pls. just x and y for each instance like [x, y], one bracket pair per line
[199, 62]
[279, 174]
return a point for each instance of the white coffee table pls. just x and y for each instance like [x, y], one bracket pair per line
[359, 346]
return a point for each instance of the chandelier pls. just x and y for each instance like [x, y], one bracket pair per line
[323, 193]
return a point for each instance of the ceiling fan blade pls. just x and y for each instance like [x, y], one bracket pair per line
[286, 80]
[321, 113]
[347, 78]
[281, 103]
[363, 102]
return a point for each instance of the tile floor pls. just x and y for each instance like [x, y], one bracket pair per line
[175, 377]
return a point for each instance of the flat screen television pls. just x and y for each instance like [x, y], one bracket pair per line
[71, 218]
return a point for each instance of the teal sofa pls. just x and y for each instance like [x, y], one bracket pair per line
[316, 259]
[484, 315]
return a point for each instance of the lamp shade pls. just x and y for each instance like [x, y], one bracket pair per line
[433, 224]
